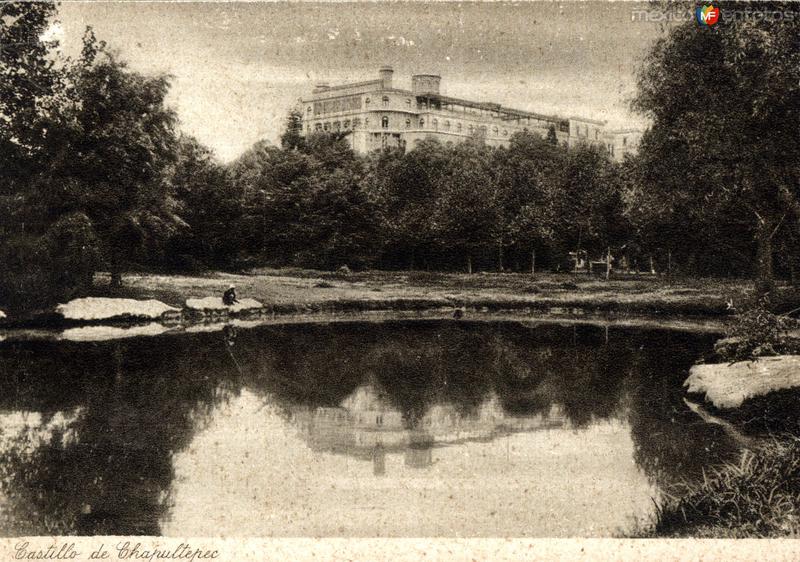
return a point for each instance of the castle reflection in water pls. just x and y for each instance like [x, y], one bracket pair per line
[368, 427]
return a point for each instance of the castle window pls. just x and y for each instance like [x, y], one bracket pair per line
[385, 122]
[408, 123]
[337, 126]
[624, 141]
[458, 127]
[505, 133]
[366, 121]
[495, 131]
[422, 123]
[596, 134]
[326, 127]
[447, 125]
[385, 101]
[347, 124]
[436, 124]
[308, 110]
[408, 102]
[366, 101]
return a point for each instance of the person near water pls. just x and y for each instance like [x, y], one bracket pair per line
[229, 296]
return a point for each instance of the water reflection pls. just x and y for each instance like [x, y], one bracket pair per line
[354, 429]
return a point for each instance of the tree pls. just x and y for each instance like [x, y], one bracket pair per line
[467, 215]
[210, 204]
[119, 151]
[338, 222]
[590, 201]
[31, 85]
[48, 253]
[407, 187]
[528, 175]
[292, 137]
[551, 135]
[725, 103]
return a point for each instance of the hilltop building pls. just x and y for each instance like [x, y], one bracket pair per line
[377, 115]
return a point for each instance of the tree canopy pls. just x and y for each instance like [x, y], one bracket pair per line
[724, 101]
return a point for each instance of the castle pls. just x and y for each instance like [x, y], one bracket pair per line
[377, 115]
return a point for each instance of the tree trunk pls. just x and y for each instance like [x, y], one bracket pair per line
[116, 270]
[500, 257]
[669, 264]
[764, 280]
[533, 262]
[469, 264]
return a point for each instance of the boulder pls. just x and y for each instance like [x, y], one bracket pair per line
[727, 385]
[103, 308]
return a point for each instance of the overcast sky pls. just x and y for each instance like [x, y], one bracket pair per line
[239, 67]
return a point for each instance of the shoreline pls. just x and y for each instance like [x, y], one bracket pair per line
[120, 330]
[297, 293]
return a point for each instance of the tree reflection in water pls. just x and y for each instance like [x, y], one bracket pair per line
[109, 417]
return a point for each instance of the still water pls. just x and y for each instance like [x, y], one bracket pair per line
[396, 428]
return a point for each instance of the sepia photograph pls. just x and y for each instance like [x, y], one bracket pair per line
[330, 273]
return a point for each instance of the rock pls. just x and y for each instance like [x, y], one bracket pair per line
[344, 270]
[215, 304]
[102, 308]
[727, 385]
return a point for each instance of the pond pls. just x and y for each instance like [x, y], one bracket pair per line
[389, 429]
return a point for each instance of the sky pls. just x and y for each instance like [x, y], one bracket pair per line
[238, 68]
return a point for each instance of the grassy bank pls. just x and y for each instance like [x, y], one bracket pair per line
[298, 290]
[757, 497]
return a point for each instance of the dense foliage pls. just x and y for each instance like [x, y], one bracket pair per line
[442, 207]
[718, 170]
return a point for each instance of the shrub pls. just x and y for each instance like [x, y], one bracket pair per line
[757, 331]
[42, 270]
[757, 497]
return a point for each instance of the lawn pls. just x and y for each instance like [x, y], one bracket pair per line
[299, 290]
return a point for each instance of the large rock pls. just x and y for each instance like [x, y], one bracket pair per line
[103, 308]
[215, 304]
[727, 385]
